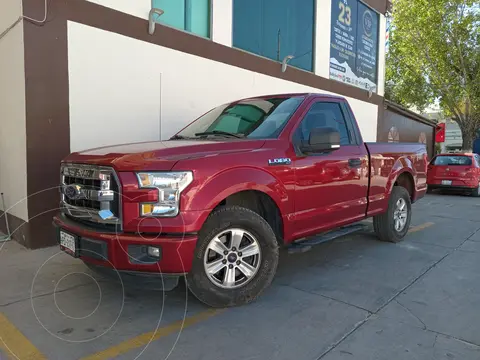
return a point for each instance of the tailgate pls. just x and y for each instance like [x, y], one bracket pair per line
[450, 172]
[450, 166]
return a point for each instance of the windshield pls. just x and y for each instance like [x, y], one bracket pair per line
[254, 118]
[453, 160]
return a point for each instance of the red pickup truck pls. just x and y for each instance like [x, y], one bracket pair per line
[217, 201]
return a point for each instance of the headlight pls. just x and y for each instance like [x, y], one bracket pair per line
[170, 185]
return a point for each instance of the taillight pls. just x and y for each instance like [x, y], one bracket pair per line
[470, 172]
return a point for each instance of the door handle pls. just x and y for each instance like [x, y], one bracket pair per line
[354, 163]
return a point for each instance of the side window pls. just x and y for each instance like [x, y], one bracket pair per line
[324, 114]
[188, 15]
[275, 29]
[477, 160]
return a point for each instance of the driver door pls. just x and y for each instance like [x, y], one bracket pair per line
[330, 187]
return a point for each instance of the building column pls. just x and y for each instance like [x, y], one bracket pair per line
[221, 22]
[381, 55]
[323, 19]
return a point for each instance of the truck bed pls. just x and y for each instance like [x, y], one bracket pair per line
[387, 160]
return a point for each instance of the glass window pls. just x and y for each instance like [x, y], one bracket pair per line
[451, 160]
[324, 114]
[477, 160]
[188, 15]
[253, 118]
[275, 29]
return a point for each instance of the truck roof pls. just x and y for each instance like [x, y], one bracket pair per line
[296, 94]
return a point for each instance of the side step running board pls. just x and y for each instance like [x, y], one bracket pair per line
[305, 245]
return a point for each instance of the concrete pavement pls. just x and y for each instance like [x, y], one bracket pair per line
[354, 298]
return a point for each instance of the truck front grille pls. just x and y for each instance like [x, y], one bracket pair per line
[91, 194]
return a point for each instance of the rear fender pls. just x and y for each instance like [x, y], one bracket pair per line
[401, 166]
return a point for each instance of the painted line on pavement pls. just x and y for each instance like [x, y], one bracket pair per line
[420, 227]
[14, 344]
[145, 339]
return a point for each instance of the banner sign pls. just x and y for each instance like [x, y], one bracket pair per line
[440, 133]
[387, 35]
[354, 44]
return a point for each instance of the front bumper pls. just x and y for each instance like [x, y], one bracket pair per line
[120, 251]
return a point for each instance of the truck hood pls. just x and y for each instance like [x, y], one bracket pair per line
[159, 155]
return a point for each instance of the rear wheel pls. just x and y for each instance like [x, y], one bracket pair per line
[392, 226]
[235, 260]
[476, 191]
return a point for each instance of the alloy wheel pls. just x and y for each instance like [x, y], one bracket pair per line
[400, 214]
[232, 258]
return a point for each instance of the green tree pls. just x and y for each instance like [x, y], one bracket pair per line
[434, 53]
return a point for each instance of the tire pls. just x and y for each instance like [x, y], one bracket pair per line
[384, 224]
[476, 192]
[429, 190]
[214, 289]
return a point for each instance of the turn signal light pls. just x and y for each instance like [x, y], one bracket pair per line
[146, 208]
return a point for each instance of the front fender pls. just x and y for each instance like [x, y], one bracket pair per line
[220, 186]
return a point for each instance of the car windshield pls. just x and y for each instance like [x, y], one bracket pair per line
[253, 118]
[453, 160]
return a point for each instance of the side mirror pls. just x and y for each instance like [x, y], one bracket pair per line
[322, 139]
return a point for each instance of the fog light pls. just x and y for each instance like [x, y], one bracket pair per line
[153, 251]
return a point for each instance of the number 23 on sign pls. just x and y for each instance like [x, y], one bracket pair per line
[345, 14]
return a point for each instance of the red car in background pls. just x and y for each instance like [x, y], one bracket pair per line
[455, 172]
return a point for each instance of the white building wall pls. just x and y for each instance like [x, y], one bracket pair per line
[222, 21]
[322, 38]
[146, 92]
[13, 148]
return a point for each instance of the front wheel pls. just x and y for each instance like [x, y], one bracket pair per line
[392, 225]
[235, 259]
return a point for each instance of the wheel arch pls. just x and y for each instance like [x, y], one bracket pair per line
[405, 179]
[260, 203]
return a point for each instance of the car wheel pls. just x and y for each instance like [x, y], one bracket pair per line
[235, 259]
[476, 191]
[392, 226]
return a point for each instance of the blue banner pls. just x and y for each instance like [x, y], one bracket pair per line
[354, 44]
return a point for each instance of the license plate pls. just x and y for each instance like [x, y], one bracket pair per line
[446, 182]
[68, 243]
